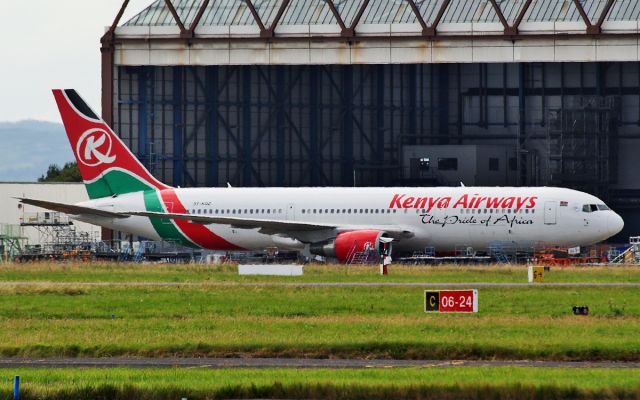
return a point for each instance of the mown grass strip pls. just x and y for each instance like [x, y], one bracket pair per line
[529, 323]
[424, 383]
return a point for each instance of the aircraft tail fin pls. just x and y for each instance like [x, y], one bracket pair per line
[106, 164]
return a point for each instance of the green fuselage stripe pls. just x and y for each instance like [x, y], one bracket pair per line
[163, 226]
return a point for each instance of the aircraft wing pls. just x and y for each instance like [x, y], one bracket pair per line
[70, 208]
[271, 226]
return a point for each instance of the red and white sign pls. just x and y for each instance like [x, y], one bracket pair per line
[451, 301]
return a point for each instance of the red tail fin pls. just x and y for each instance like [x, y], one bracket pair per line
[107, 166]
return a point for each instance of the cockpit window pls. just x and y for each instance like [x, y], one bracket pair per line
[594, 207]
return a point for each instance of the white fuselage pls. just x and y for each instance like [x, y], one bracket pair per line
[442, 217]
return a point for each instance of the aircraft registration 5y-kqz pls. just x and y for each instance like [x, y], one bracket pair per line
[332, 222]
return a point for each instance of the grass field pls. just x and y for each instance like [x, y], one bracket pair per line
[224, 319]
[424, 383]
[125, 272]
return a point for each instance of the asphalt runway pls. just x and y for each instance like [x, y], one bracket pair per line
[317, 284]
[216, 363]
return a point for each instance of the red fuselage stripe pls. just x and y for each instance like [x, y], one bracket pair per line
[197, 233]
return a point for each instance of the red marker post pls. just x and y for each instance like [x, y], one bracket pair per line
[451, 301]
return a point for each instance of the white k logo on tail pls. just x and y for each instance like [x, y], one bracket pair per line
[94, 148]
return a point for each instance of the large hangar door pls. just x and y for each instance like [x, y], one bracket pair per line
[550, 208]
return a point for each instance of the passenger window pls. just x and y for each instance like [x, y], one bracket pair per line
[303, 210]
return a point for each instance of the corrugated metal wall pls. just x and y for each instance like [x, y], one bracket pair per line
[321, 125]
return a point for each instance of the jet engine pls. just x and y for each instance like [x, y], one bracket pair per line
[347, 244]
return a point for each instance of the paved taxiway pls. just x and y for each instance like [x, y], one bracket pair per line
[290, 363]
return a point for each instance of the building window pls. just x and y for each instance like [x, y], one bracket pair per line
[494, 164]
[448, 164]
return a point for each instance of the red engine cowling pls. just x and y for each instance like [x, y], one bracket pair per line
[346, 244]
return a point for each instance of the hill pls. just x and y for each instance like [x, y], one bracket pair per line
[29, 147]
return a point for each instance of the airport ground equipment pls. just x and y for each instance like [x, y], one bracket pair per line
[59, 238]
[631, 255]
[12, 242]
[563, 257]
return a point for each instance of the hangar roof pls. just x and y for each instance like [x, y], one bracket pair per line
[205, 32]
[319, 12]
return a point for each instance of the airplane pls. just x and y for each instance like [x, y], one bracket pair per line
[332, 222]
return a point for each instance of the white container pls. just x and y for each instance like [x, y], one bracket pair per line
[271, 269]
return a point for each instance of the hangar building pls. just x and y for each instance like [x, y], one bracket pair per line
[381, 92]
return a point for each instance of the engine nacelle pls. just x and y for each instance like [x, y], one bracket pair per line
[347, 244]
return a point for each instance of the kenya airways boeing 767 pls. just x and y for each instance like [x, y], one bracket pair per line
[333, 222]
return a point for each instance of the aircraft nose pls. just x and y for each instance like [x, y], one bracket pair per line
[615, 223]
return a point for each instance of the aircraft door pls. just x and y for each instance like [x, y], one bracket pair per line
[550, 209]
[291, 212]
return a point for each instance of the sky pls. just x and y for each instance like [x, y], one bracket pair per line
[50, 44]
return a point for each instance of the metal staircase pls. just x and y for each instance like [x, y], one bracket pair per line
[364, 257]
[631, 254]
[367, 256]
